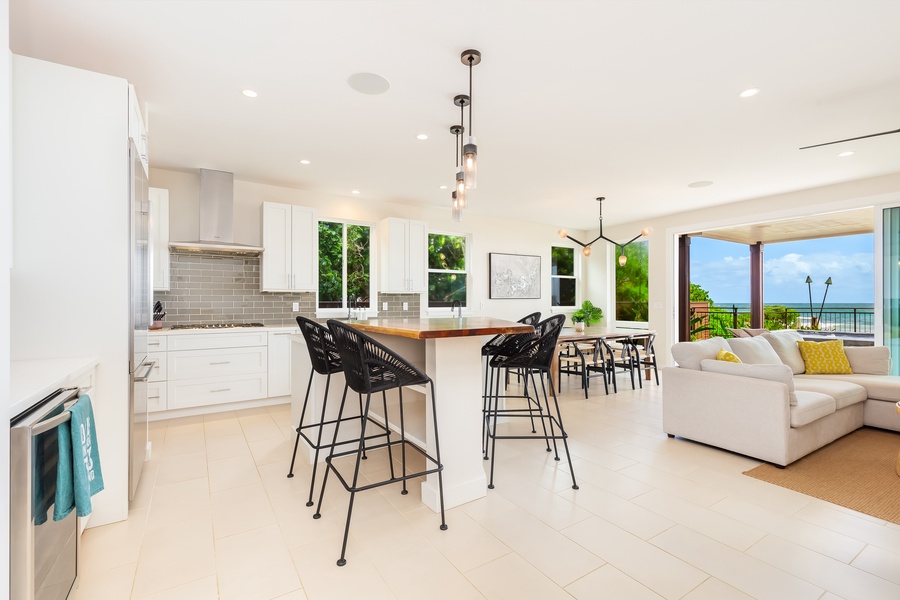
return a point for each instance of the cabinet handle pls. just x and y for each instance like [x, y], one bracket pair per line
[221, 362]
[221, 390]
[152, 397]
[153, 343]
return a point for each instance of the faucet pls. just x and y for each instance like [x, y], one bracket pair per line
[458, 305]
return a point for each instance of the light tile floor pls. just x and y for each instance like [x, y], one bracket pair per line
[215, 517]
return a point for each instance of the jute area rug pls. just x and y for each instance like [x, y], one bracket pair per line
[858, 471]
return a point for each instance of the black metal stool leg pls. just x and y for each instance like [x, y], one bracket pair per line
[564, 435]
[353, 488]
[437, 457]
[300, 425]
[312, 480]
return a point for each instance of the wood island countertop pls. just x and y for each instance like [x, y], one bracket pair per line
[444, 327]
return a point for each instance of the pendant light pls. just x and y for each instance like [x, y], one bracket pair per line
[586, 248]
[470, 150]
[462, 196]
[455, 208]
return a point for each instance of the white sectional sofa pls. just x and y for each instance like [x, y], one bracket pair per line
[768, 407]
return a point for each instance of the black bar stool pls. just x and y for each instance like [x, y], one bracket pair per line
[534, 359]
[371, 367]
[326, 360]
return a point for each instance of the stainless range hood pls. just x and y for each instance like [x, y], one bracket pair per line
[216, 217]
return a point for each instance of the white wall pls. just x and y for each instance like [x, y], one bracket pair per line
[71, 250]
[6, 242]
[488, 234]
[663, 240]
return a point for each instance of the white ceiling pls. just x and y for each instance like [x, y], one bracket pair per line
[631, 100]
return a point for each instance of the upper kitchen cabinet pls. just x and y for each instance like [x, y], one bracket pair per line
[290, 237]
[159, 236]
[137, 130]
[403, 247]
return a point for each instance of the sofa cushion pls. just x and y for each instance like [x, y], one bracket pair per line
[878, 387]
[727, 356]
[810, 407]
[754, 351]
[825, 358]
[874, 360]
[781, 373]
[785, 345]
[755, 332]
[844, 392]
[689, 354]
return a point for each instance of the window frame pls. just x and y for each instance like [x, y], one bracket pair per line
[373, 299]
[443, 310]
[576, 269]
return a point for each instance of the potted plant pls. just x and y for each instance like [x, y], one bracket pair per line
[587, 314]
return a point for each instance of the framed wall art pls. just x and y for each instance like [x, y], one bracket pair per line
[515, 276]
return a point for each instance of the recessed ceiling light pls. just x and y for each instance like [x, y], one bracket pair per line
[749, 92]
[443, 187]
[368, 83]
[422, 136]
[304, 162]
[354, 192]
[250, 93]
[700, 184]
[847, 153]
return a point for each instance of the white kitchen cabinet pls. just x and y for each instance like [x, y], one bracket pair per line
[290, 238]
[159, 235]
[204, 369]
[137, 130]
[279, 363]
[403, 246]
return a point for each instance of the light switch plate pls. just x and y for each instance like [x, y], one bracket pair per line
[406, 306]
[384, 306]
[295, 306]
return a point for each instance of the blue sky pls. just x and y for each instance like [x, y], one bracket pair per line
[722, 269]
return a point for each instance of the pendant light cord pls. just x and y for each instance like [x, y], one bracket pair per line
[471, 58]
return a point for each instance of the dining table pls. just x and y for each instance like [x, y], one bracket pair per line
[449, 351]
[590, 334]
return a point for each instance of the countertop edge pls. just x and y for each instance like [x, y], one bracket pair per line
[30, 381]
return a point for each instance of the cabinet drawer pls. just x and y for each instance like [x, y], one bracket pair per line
[158, 373]
[215, 390]
[156, 343]
[190, 364]
[205, 341]
[156, 397]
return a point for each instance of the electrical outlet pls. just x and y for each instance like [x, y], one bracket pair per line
[295, 306]
[406, 306]
[384, 306]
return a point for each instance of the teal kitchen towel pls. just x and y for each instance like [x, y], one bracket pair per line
[87, 478]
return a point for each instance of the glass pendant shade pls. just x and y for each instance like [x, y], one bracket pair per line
[470, 163]
[622, 260]
[461, 187]
[586, 250]
[562, 233]
[456, 211]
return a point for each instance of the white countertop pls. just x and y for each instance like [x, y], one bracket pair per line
[30, 381]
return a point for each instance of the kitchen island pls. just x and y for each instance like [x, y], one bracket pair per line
[449, 351]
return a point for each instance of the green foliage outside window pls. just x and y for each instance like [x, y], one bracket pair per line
[446, 269]
[334, 291]
[562, 276]
[632, 284]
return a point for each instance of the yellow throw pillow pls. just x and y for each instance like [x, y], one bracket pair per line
[727, 356]
[825, 358]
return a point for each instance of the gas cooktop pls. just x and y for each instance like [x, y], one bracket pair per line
[215, 325]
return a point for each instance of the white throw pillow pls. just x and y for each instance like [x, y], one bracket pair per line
[873, 360]
[689, 354]
[769, 372]
[754, 351]
[785, 345]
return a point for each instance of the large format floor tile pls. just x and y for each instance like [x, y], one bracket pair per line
[216, 517]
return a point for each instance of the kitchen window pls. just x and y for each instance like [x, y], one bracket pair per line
[563, 285]
[632, 285]
[345, 253]
[447, 274]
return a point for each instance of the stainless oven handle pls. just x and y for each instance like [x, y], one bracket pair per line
[56, 421]
[150, 366]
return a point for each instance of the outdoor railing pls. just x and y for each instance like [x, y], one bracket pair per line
[845, 320]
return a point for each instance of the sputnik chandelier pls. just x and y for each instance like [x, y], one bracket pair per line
[586, 248]
[466, 172]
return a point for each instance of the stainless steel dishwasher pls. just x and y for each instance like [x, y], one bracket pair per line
[43, 553]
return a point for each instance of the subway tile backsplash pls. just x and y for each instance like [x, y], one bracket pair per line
[211, 287]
